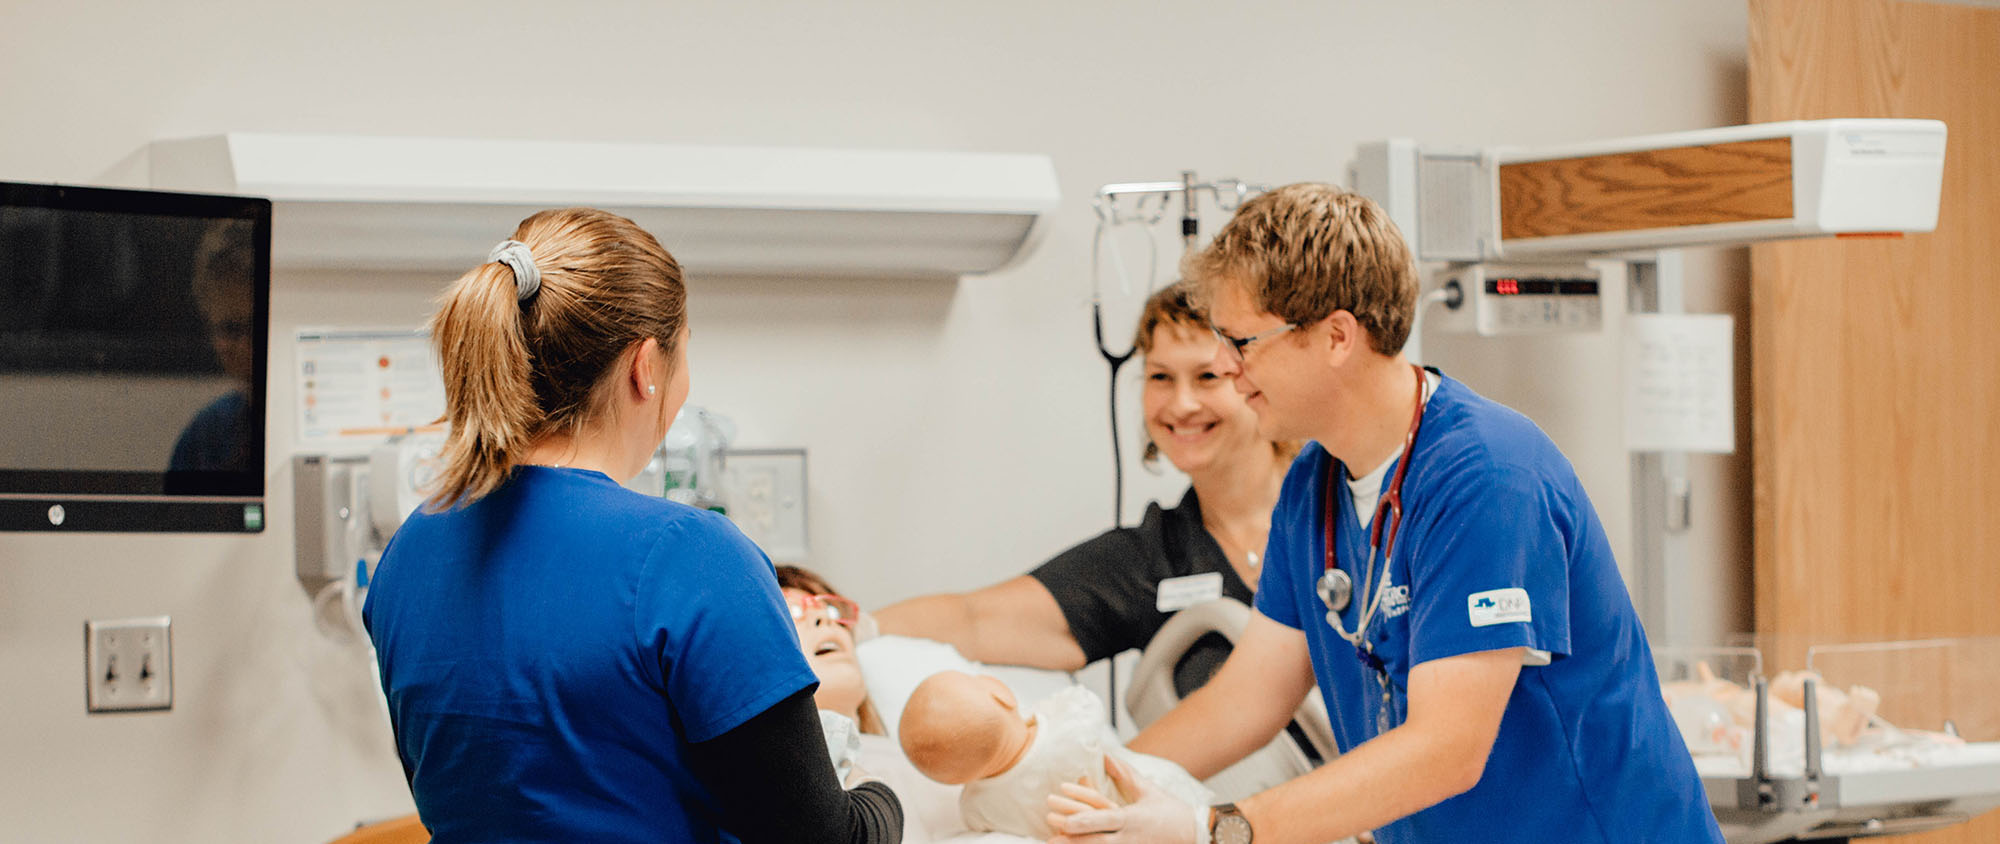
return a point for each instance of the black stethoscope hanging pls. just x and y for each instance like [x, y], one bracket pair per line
[1107, 219]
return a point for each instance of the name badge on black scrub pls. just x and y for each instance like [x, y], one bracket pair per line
[1179, 593]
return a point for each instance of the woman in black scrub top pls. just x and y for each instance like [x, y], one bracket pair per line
[1104, 596]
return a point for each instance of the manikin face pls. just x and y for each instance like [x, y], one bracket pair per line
[1275, 376]
[1192, 411]
[1016, 734]
[959, 727]
[1001, 694]
[829, 649]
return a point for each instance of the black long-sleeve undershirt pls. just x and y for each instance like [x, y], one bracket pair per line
[775, 781]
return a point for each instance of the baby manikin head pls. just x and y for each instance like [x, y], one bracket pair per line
[958, 727]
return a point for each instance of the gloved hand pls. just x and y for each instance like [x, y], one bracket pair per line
[1083, 814]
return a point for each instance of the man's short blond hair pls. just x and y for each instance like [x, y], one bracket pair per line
[1303, 251]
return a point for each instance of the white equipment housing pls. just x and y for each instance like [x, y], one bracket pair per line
[1851, 176]
[1507, 299]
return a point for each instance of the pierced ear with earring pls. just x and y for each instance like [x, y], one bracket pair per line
[651, 389]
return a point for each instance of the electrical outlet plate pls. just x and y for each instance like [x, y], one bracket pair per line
[765, 492]
[128, 664]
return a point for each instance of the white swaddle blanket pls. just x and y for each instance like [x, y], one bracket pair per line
[1071, 740]
[843, 741]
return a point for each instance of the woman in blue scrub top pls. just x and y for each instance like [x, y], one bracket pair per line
[1435, 567]
[564, 659]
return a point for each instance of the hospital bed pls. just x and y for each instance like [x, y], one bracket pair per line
[1156, 688]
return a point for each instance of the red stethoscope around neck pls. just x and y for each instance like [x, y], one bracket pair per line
[1336, 586]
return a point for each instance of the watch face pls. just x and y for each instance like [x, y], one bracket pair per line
[1232, 829]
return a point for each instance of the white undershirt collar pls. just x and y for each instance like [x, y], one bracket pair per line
[1367, 489]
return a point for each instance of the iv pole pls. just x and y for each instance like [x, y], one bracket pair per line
[1228, 193]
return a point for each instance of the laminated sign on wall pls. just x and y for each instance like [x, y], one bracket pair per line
[1680, 385]
[356, 387]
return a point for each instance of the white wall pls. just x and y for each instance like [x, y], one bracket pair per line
[956, 431]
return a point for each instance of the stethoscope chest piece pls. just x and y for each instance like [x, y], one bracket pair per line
[1336, 589]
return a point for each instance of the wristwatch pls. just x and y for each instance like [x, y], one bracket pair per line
[1227, 825]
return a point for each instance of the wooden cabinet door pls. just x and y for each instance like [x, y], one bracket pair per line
[1876, 362]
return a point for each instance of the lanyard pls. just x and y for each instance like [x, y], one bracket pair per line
[1336, 586]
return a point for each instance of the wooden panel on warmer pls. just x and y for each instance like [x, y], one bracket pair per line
[1662, 188]
[1875, 366]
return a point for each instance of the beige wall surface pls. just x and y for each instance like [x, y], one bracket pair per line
[956, 430]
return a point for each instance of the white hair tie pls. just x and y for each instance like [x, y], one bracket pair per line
[515, 254]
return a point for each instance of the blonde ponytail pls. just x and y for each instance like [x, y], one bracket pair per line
[522, 360]
[489, 402]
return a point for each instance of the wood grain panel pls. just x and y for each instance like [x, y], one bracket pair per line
[1876, 363]
[1678, 186]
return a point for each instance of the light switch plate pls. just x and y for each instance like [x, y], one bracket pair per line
[128, 664]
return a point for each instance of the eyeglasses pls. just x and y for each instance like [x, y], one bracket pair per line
[833, 608]
[1235, 345]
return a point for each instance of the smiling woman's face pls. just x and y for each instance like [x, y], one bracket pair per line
[1192, 411]
[829, 648]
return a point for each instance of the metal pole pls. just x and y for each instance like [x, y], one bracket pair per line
[1190, 224]
[1661, 494]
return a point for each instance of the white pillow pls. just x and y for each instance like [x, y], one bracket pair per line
[893, 666]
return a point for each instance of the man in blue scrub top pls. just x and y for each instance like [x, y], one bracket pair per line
[1434, 565]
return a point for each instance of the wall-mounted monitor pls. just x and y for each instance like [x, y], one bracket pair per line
[134, 331]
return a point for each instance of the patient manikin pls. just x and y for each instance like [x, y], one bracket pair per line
[1718, 716]
[963, 729]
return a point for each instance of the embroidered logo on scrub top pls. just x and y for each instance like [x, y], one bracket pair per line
[1498, 606]
[1395, 598]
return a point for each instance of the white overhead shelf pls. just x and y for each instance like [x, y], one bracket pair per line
[346, 202]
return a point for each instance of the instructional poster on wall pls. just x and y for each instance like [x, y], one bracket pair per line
[357, 387]
[1680, 390]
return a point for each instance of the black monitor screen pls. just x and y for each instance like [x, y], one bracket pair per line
[133, 340]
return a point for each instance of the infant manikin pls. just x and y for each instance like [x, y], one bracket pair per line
[963, 729]
[1716, 716]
